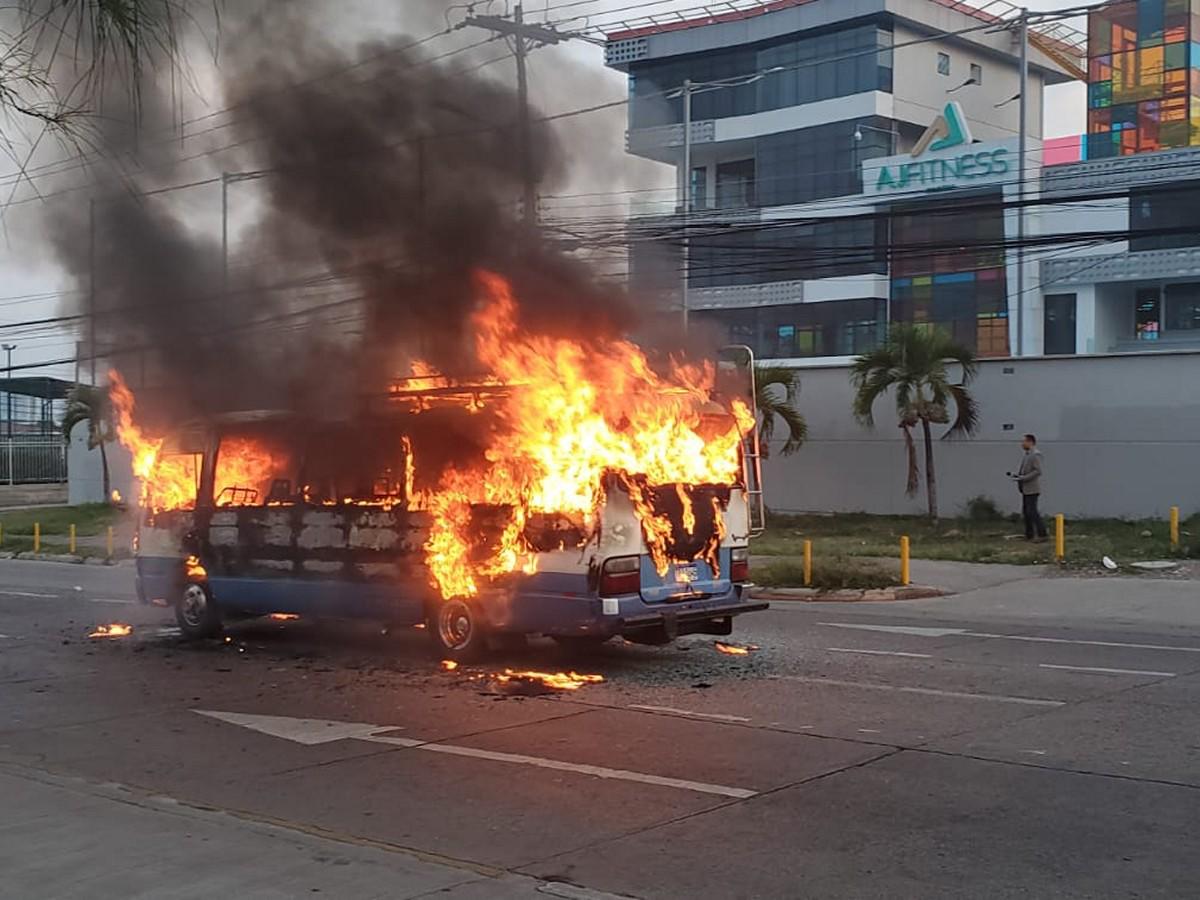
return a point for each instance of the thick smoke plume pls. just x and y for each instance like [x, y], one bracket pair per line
[381, 179]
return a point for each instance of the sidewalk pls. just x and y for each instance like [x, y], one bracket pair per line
[68, 838]
[949, 577]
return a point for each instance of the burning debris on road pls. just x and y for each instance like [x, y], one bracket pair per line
[734, 649]
[115, 630]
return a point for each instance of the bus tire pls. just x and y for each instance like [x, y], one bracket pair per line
[197, 612]
[457, 630]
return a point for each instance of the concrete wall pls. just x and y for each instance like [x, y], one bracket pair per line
[85, 479]
[921, 93]
[1120, 434]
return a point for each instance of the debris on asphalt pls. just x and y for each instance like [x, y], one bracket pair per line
[116, 630]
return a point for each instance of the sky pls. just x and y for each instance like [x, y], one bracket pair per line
[562, 78]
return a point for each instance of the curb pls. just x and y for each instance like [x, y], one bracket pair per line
[813, 595]
[64, 558]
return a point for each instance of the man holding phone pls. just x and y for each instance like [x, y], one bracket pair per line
[1029, 483]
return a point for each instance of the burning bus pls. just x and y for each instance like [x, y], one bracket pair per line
[571, 490]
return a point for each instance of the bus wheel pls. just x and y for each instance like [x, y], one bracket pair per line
[196, 613]
[457, 630]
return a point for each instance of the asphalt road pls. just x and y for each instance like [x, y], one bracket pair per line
[1030, 739]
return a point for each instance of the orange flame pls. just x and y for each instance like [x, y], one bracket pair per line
[734, 649]
[283, 617]
[244, 470]
[577, 412]
[167, 481]
[115, 630]
[449, 665]
[559, 681]
[194, 568]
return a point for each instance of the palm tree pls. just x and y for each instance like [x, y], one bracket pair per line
[767, 380]
[914, 361]
[91, 404]
[84, 44]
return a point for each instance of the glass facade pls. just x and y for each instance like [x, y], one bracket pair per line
[948, 271]
[763, 252]
[819, 162]
[1143, 77]
[1163, 218]
[818, 67]
[835, 328]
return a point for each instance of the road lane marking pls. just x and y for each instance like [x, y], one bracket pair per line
[963, 632]
[1050, 640]
[931, 692]
[879, 652]
[110, 600]
[1103, 671]
[898, 629]
[29, 594]
[720, 717]
[596, 771]
[319, 731]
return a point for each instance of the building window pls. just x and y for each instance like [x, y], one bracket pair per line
[735, 184]
[1183, 307]
[818, 162]
[1162, 219]
[1147, 311]
[698, 187]
[834, 328]
[943, 63]
[810, 68]
[977, 73]
[1140, 85]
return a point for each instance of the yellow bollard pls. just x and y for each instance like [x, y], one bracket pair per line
[37, 537]
[72, 539]
[1174, 527]
[808, 563]
[1060, 537]
[904, 569]
[109, 542]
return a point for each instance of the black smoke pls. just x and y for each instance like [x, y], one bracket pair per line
[381, 179]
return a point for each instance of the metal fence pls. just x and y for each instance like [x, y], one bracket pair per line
[33, 461]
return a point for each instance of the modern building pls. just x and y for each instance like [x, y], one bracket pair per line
[852, 163]
[1129, 190]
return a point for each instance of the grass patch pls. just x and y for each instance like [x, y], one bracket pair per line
[841, 573]
[89, 519]
[970, 540]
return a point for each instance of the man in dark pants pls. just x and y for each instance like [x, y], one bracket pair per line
[1029, 483]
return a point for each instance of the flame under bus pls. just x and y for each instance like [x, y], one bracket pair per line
[283, 515]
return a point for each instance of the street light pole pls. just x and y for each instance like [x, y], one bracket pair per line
[1021, 150]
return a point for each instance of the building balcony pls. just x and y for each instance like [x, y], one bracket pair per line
[1147, 265]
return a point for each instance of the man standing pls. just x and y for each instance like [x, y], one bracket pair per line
[1029, 483]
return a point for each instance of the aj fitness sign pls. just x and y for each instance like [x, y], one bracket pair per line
[945, 157]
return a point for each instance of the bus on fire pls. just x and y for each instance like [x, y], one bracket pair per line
[256, 513]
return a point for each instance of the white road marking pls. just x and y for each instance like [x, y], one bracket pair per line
[898, 629]
[720, 717]
[29, 594]
[932, 692]
[320, 731]
[596, 771]
[879, 652]
[1102, 671]
[302, 731]
[1050, 640]
[111, 600]
[947, 632]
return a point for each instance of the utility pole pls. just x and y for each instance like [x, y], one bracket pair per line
[524, 38]
[225, 234]
[686, 94]
[92, 285]
[1021, 152]
[8, 348]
